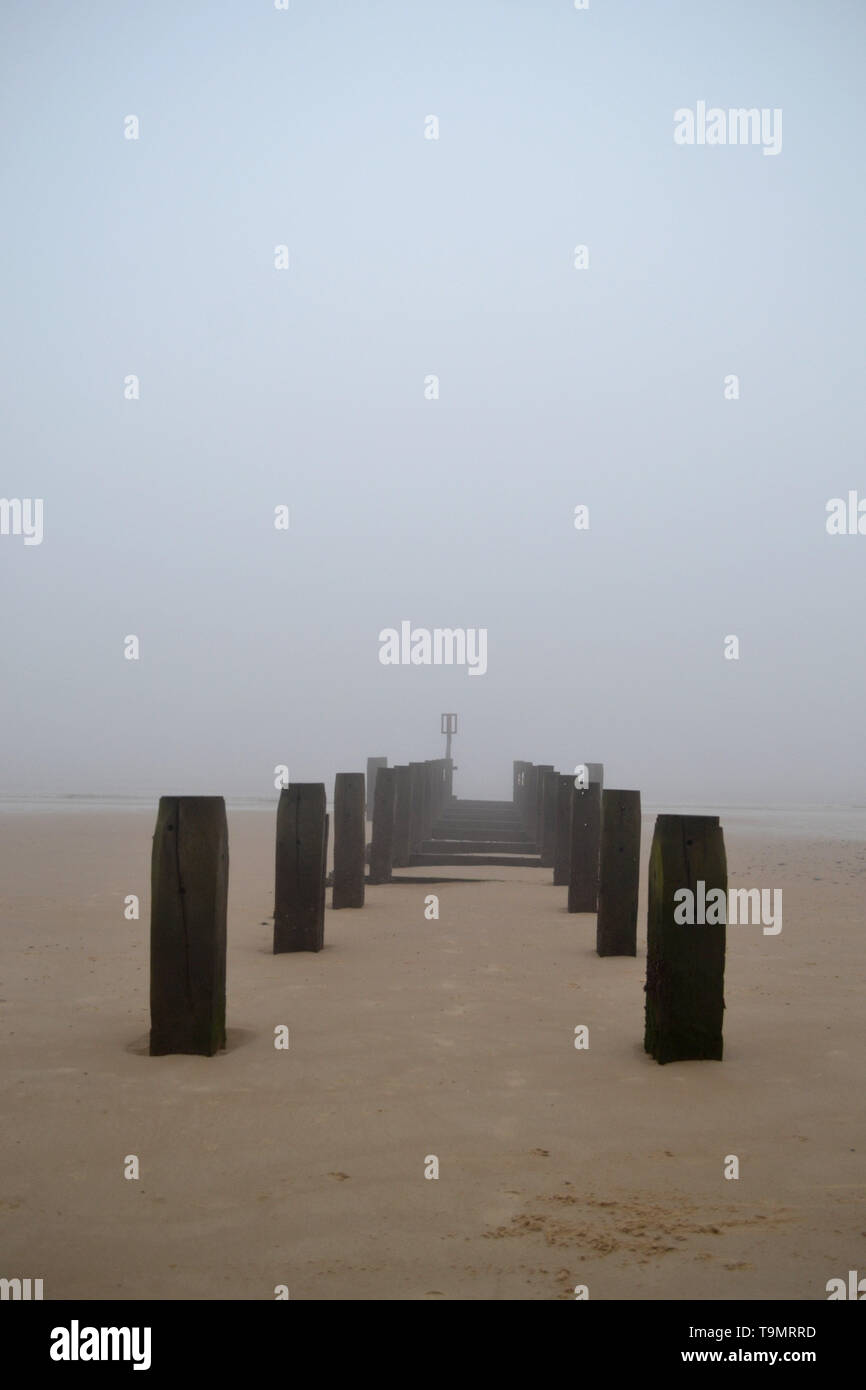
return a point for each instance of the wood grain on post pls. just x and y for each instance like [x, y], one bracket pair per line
[301, 858]
[685, 969]
[189, 888]
[349, 840]
[619, 874]
[382, 846]
[562, 850]
[585, 847]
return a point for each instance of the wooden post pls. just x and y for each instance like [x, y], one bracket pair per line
[585, 845]
[541, 772]
[521, 797]
[685, 968]
[373, 765]
[416, 806]
[189, 888]
[449, 781]
[402, 816]
[562, 849]
[302, 852]
[616, 924]
[436, 767]
[349, 840]
[529, 799]
[549, 788]
[427, 812]
[382, 846]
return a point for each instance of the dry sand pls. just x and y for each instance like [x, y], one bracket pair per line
[411, 1038]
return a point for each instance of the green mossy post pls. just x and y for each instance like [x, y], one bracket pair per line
[685, 975]
[402, 816]
[301, 858]
[585, 848]
[619, 874]
[189, 889]
[373, 765]
[562, 849]
[350, 839]
[382, 845]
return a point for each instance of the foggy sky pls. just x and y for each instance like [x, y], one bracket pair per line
[558, 387]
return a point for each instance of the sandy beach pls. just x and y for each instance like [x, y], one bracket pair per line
[410, 1038]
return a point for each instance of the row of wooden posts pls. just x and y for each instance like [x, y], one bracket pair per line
[589, 836]
[591, 839]
[189, 883]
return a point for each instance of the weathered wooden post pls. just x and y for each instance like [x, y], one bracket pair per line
[438, 785]
[189, 887]
[523, 771]
[373, 765]
[585, 846]
[402, 816]
[382, 845]
[562, 849]
[541, 776]
[349, 840]
[416, 806]
[301, 859]
[529, 798]
[616, 924]
[685, 968]
[429, 794]
[442, 794]
[547, 847]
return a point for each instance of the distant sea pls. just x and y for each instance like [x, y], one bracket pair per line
[813, 822]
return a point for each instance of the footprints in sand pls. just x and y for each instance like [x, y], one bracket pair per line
[641, 1228]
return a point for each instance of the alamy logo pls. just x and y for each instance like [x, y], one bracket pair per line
[856, 1288]
[736, 126]
[22, 516]
[847, 520]
[20, 1289]
[444, 646]
[76, 1343]
[741, 907]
